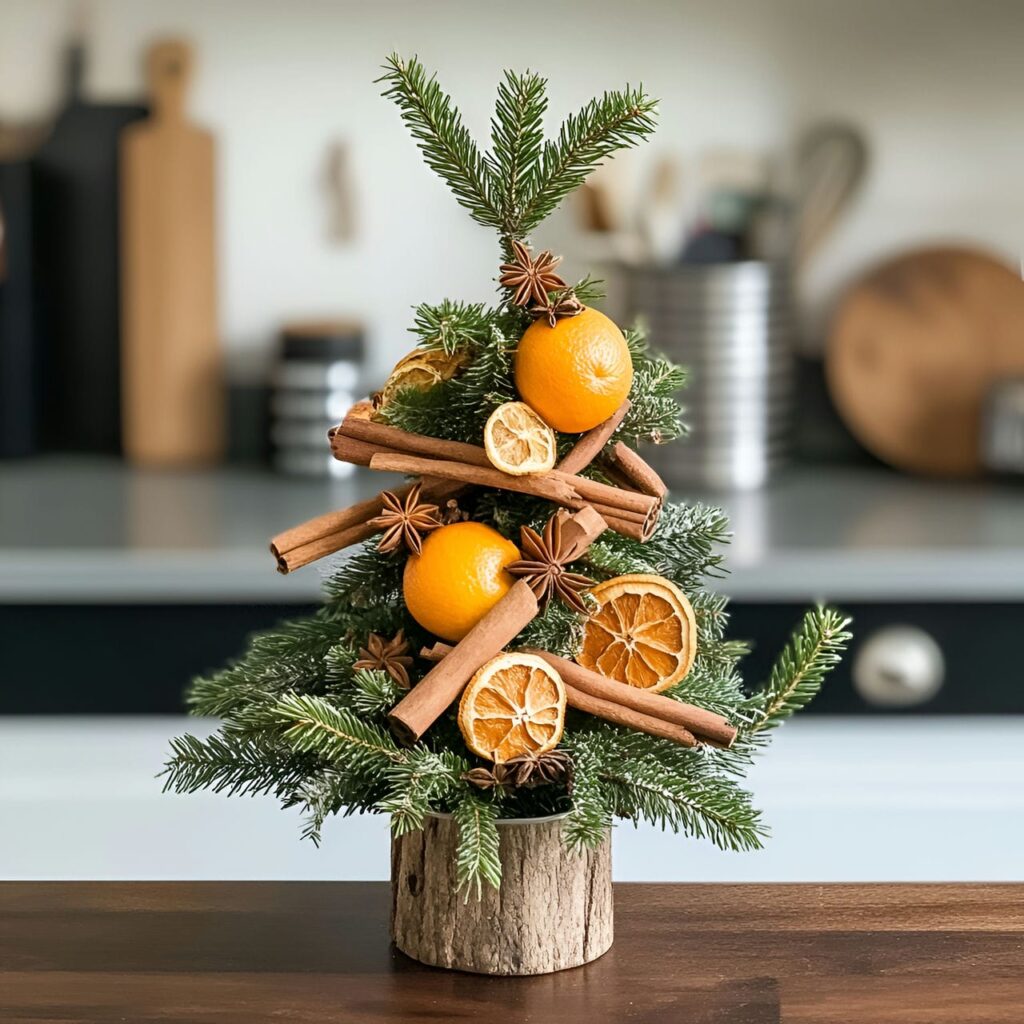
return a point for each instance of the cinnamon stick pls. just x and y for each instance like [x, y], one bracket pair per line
[334, 531]
[541, 485]
[605, 494]
[592, 443]
[382, 436]
[331, 522]
[625, 462]
[703, 723]
[625, 716]
[432, 695]
[579, 531]
[359, 453]
[296, 558]
[609, 710]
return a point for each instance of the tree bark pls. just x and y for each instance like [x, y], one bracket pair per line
[553, 910]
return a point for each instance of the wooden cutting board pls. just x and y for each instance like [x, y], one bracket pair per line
[913, 350]
[171, 365]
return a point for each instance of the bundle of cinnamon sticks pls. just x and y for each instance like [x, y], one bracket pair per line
[632, 511]
[448, 468]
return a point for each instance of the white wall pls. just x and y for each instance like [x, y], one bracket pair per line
[936, 84]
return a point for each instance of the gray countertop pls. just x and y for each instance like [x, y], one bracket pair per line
[94, 530]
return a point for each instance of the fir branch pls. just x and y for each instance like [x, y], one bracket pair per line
[236, 765]
[418, 783]
[373, 693]
[589, 290]
[339, 662]
[683, 547]
[437, 127]
[679, 788]
[290, 656]
[451, 325]
[517, 136]
[813, 651]
[617, 120]
[654, 413]
[312, 725]
[367, 583]
[476, 859]
[590, 817]
[558, 630]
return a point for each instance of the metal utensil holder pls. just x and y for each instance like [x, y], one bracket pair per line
[731, 326]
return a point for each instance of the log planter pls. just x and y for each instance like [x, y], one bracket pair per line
[553, 911]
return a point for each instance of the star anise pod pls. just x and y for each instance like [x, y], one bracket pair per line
[529, 770]
[543, 566]
[390, 656]
[405, 522]
[531, 277]
[498, 777]
[556, 308]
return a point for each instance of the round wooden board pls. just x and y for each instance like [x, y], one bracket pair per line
[913, 349]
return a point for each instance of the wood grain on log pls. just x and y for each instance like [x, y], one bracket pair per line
[553, 911]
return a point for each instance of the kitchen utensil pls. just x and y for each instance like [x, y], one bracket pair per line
[831, 162]
[1002, 443]
[914, 348]
[730, 324]
[318, 377]
[661, 212]
[340, 193]
[76, 235]
[173, 389]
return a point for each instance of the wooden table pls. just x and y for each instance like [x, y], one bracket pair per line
[696, 954]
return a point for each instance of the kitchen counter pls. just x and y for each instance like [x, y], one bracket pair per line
[846, 799]
[93, 530]
[949, 954]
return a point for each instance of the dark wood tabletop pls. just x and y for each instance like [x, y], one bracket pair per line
[696, 954]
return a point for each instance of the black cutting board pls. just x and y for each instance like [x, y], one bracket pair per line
[76, 193]
[19, 370]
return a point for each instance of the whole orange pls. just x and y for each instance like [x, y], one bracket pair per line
[459, 576]
[575, 374]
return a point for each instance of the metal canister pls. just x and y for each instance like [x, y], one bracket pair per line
[731, 326]
[316, 380]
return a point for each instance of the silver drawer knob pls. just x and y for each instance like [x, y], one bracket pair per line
[899, 666]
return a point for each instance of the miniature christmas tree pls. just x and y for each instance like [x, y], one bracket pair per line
[527, 628]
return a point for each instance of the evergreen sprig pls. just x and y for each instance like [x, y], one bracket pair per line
[523, 179]
[517, 139]
[477, 860]
[616, 120]
[448, 148]
[451, 325]
[796, 677]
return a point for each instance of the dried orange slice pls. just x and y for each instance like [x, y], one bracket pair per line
[421, 369]
[518, 441]
[642, 633]
[515, 704]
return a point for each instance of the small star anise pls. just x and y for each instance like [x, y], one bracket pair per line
[556, 308]
[390, 656]
[530, 769]
[405, 522]
[531, 277]
[498, 777]
[543, 566]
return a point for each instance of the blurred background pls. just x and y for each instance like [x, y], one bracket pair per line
[212, 232]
